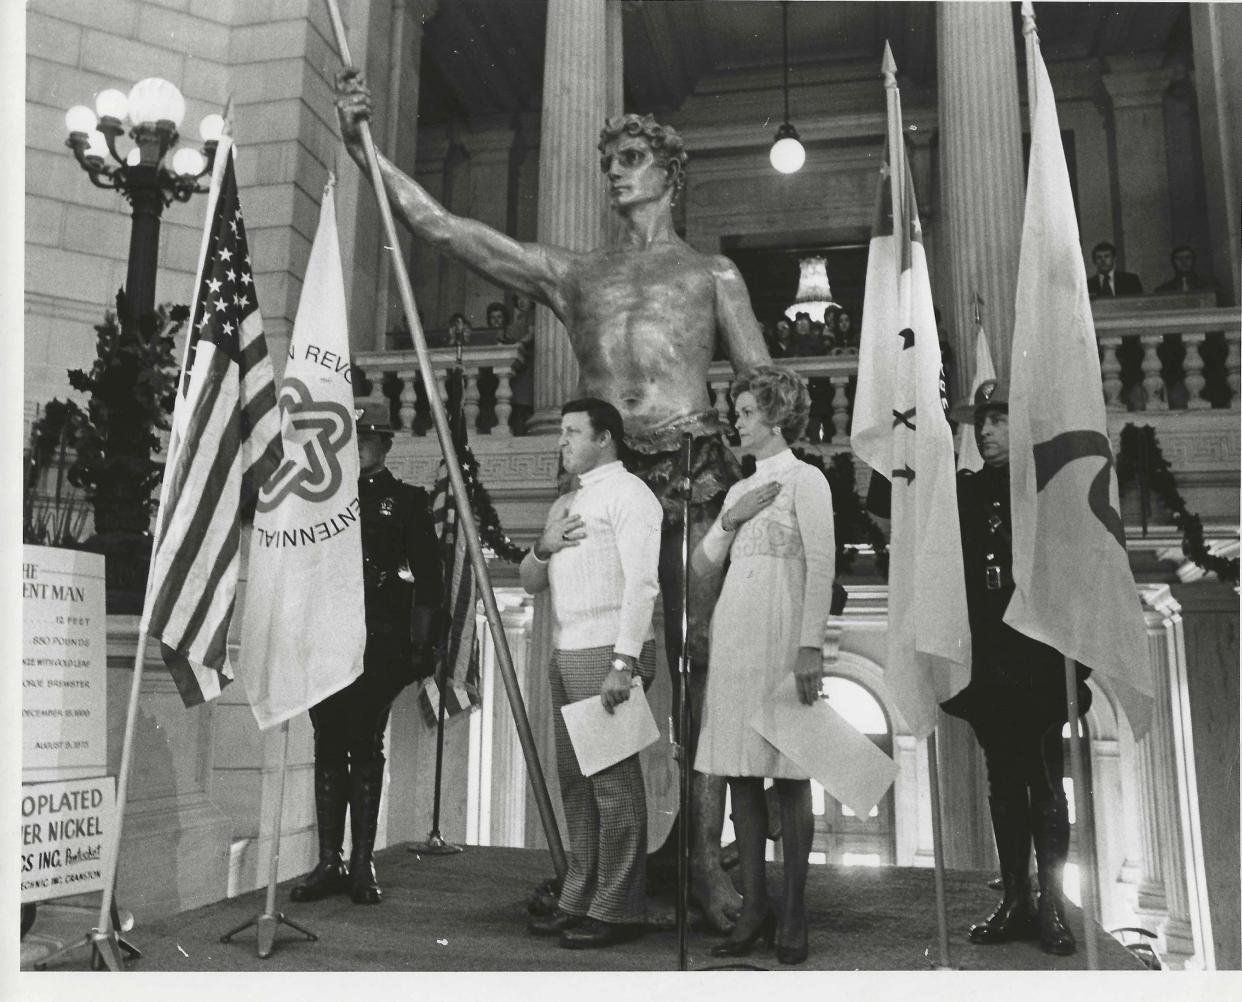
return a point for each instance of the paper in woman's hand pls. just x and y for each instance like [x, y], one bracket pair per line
[844, 762]
[600, 738]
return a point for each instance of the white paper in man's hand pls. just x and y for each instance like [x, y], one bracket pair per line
[600, 738]
[844, 762]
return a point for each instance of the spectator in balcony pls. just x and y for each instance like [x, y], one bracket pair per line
[806, 344]
[815, 344]
[776, 529]
[1185, 278]
[1107, 281]
[458, 330]
[783, 345]
[846, 338]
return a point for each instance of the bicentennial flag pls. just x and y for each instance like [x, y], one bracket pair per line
[900, 430]
[1074, 588]
[225, 442]
[304, 622]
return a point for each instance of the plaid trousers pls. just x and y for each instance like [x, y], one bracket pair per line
[606, 813]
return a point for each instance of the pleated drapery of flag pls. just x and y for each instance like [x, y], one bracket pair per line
[1074, 587]
[900, 431]
[968, 457]
[461, 641]
[304, 622]
[225, 443]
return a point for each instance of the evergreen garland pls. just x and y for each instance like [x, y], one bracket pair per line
[485, 515]
[1140, 442]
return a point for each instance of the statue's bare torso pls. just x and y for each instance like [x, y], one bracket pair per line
[643, 329]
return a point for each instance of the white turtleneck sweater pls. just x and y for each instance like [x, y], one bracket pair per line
[603, 589]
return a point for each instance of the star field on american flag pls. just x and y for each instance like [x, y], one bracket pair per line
[226, 294]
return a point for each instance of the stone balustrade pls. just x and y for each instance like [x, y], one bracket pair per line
[1169, 359]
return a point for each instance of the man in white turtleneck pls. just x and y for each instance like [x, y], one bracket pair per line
[599, 554]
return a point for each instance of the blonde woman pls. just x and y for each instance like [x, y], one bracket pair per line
[776, 529]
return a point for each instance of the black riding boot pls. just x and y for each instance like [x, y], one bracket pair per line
[1014, 917]
[1050, 827]
[331, 797]
[365, 790]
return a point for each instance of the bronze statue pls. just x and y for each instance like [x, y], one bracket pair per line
[644, 317]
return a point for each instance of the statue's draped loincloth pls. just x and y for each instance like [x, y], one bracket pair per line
[655, 457]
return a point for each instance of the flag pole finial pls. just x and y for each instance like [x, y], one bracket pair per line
[978, 310]
[888, 67]
[1028, 18]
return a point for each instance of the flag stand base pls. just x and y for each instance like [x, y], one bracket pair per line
[106, 947]
[266, 924]
[434, 845]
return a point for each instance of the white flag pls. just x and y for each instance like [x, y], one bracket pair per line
[1074, 588]
[968, 457]
[900, 430]
[304, 625]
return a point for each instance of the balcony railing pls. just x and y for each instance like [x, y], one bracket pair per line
[1151, 359]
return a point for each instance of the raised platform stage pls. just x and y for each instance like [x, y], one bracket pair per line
[468, 913]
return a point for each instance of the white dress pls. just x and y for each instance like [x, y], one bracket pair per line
[775, 599]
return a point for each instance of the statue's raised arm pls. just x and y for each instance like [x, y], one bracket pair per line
[534, 269]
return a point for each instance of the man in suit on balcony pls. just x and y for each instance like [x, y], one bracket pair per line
[1107, 281]
[645, 317]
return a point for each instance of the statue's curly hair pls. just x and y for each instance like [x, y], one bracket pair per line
[666, 143]
[781, 396]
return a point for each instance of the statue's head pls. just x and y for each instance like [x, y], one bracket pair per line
[665, 142]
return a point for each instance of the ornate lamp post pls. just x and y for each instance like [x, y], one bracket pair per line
[146, 174]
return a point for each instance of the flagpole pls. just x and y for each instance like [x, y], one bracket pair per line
[504, 658]
[1082, 811]
[267, 922]
[1031, 36]
[896, 154]
[897, 193]
[942, 912]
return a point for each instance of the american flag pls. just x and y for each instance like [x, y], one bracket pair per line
[225, 443]
[461, 647]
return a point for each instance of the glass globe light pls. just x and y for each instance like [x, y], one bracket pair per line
[787, 154]
[211, 128]
[154, 100]
[134, 157]
[112, 104]
[188, 162]
[97, 145]
[80, 118]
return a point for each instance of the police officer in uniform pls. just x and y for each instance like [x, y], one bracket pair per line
[1015, 701]
[402, 587]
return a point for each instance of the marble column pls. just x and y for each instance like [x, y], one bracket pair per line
[1136, 86]
[981, 175]
[1215, 33]
[575, 95]
[1163, 894]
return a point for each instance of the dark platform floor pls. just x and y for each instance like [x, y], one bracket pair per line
[467, 913]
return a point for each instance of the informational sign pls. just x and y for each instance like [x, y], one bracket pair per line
[64, 664]
[64, 829]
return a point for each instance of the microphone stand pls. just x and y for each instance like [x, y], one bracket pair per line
[683, 680]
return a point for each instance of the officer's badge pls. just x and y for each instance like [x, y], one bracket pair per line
[386, 506]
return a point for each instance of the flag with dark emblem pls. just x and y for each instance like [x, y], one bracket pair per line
[1074, 589]
[224, 444]
[304, 620]
[460, 647]
[900, 430]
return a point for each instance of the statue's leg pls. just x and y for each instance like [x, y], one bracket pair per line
[710, 886]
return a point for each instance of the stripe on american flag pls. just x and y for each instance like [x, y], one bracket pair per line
[225, 443]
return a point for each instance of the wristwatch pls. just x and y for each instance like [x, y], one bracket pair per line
[620, 664]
